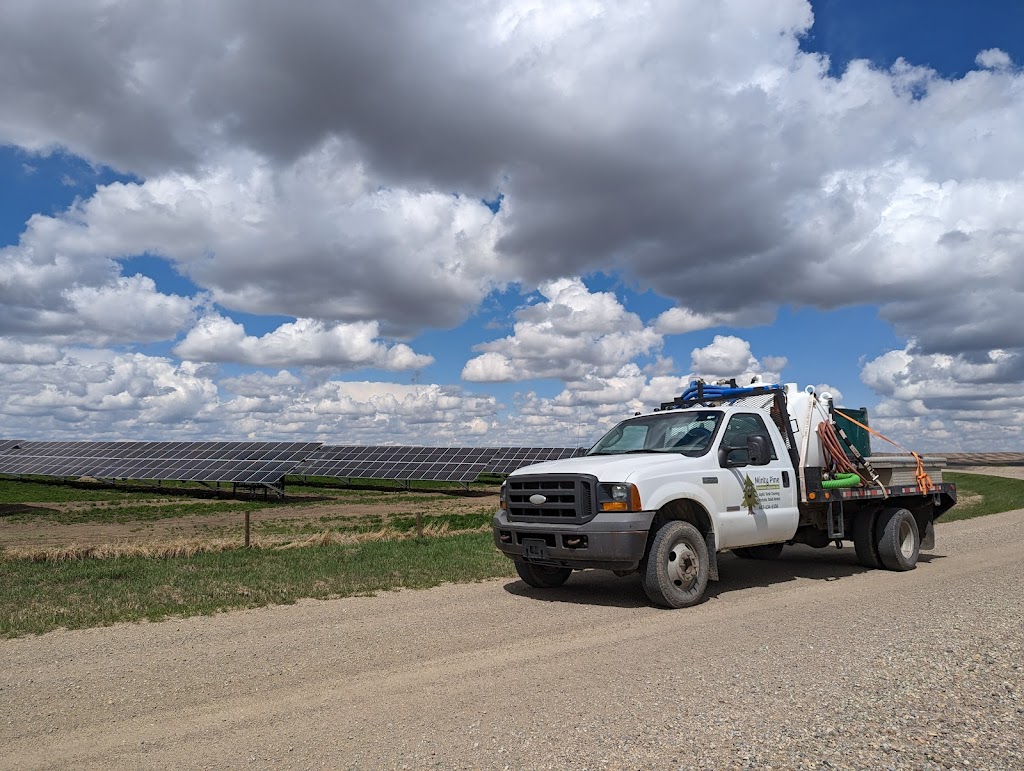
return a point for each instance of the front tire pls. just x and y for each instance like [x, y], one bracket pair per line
[542, 576]
[676, 572]
[899, 540]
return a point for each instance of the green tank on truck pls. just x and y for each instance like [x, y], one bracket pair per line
[720, 468]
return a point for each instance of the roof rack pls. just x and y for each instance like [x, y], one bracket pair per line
[703, 393]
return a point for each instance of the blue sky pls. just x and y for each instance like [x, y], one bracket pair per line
[274, 225]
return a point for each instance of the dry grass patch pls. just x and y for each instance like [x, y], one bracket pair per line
[191, 547]
[73, 552]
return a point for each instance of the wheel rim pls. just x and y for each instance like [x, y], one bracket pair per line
[906, 540]
[682, 566]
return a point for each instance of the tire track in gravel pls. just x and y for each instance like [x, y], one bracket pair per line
[800, 662]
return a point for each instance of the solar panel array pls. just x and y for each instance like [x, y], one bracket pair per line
[264, 463]
[250, 463]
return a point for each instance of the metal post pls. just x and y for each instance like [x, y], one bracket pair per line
[247, 530]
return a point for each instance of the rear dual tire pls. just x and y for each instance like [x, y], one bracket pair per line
[899, 540]
[888, 539]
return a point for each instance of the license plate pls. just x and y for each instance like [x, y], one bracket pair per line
[534, 549]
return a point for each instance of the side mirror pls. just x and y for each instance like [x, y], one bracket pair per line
[759, 450]
[723, 456]
[732, 457]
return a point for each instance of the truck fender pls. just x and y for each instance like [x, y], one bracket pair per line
[658, 498]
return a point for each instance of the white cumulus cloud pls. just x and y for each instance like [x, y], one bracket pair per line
[730, 357]
[570, 334]
[303, 342]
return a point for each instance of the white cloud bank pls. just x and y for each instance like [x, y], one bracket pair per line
[104, 394]
[328, 163]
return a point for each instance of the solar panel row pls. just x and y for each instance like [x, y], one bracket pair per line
[508, 459]
[253, 463]
[460, 464]
[176, 450]
[446, 464]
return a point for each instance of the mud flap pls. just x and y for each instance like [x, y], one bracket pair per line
[712, 557]
[928, 539]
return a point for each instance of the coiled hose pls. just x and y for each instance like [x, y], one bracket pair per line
[842, 480]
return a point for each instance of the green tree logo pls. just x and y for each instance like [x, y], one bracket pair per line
[750, 497]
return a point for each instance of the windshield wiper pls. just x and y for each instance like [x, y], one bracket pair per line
[624, 452]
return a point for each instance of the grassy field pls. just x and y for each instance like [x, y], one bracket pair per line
[980, 495]
[40, 596]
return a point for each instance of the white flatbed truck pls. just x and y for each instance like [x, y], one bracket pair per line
[720, 468]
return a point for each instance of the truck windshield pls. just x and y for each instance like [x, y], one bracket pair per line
[688, 433]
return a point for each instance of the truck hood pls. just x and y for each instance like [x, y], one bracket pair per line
[615, 468]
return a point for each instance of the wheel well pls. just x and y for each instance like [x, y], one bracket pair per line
[924, 513]
[686, 511]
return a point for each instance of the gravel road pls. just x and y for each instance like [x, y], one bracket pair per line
[808, 662]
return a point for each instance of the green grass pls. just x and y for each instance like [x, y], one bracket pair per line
[39, 597]
[16, 491]
[997, 494]
[405, 523]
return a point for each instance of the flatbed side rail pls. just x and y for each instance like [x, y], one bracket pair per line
[943, 494]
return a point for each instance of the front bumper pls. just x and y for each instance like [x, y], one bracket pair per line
[613, 541]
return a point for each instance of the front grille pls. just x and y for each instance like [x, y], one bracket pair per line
[568, 498]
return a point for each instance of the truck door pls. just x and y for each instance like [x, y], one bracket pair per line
[759, 502]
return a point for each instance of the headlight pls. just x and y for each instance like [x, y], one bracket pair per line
[503, 500]
[618, 496]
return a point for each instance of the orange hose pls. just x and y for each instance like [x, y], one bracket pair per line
[834, 449]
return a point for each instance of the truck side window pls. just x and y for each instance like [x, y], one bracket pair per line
[737, 431]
